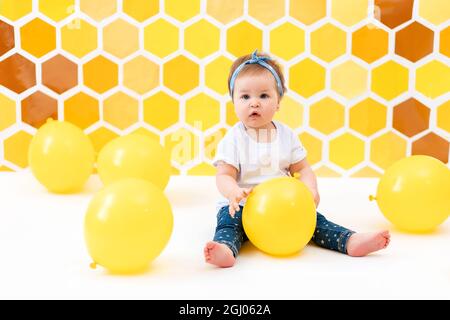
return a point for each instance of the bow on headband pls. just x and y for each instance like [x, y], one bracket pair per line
[261, 60]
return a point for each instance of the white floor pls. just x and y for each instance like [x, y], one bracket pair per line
[43, 255]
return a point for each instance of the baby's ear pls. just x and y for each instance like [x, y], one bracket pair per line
[279, 102]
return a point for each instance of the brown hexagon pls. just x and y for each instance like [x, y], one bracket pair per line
[6, 37]
[59, 74]
[411, 117]
[432, 145]
[414, 42]
[17, 73]
[37, 108]
[393, 13]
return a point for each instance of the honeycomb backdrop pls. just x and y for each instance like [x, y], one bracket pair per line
[368, 80]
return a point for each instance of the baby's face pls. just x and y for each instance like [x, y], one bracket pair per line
[256, 99]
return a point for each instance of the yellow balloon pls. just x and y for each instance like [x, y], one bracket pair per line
[61, 157]
[414, 193]
[134, 156]
[279, 217]
[127, 225]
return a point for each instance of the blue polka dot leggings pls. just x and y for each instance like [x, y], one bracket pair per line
[230, 231]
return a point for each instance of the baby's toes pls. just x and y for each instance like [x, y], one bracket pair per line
[385, 233]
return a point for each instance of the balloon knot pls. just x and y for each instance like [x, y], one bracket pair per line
[93, 265]
[371, 198]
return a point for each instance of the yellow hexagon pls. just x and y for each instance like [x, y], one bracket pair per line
[16, 148]
[370, 43]
[161, 38]
[389, 80]
[308, 11]
[182, 145]
[120, 38]
[161, 111]
[444, 42]
[349, 79]
[443, 116]
[79, 38]
[328, 42]
[346, 151]
[216, 74]
[349, 12]
[175, 171]
[100, 137]
[100, 74]
[57, 9]
[266, 11]
[98, 9]
[212, 141]
[182, 10]
[290, 113]
[141, 10]
[140, 75]
[189, 70]
[38, 38]
[387, 149]
[121, 110]
[7, 112]
[435, 11]
[307, 78]
[368, 117]
[232, 118]
[202, 112]
[327, 116]
[324, 171]
[225, 10]
[243, 38]
[202, 38]
[433, 79]
[202, 169]
[82, 110]
[281, 43]
[313, 146]
[13, 9]
[148, 133]
[5, 169]
[366, 172]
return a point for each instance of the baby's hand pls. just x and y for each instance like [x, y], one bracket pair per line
[235, 197]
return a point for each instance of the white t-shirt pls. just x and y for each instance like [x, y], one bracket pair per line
[257, 162]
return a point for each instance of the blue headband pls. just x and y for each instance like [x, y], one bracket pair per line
[261, 60]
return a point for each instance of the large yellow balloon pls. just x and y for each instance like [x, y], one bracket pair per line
[127, 225]
[134, 156]
[414, 193]
[279, 217]
[61, 157]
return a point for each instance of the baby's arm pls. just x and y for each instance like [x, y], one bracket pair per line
[307, 176]
[226, 180]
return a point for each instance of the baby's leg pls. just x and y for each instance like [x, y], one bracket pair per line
[335, 237]
[222, 251]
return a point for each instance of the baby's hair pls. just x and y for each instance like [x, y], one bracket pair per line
[255, 69]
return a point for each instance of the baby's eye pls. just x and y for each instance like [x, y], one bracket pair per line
[264, 96]
[245, 96]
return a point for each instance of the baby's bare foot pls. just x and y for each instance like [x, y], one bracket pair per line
[361, 244]
[219, 254]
